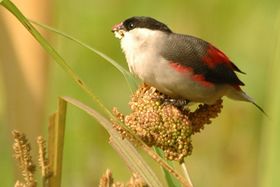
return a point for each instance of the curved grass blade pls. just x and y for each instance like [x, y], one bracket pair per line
[148, 150]
[127, 75]
[52, 52]
[125, 149]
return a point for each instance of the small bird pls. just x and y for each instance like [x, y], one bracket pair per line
[180, 66]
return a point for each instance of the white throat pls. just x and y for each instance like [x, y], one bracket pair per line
[140, 46]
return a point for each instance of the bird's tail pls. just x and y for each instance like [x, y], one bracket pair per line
[260, 108]
[242, 96]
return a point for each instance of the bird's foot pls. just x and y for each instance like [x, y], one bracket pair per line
[179, 103]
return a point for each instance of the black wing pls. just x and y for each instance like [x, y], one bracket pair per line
[202, 57]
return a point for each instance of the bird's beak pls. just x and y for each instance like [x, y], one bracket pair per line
[118, 27]
[119, 30]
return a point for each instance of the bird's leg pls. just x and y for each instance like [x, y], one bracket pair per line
[179, 103]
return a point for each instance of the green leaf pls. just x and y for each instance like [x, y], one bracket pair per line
[170, 179]
[127, 75]
[125, 149]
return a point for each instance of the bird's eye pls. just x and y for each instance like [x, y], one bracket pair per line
[131, 26]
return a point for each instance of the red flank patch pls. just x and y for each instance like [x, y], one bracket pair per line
[201, 80]
[195, 77]
[214, 56]
[180, 68]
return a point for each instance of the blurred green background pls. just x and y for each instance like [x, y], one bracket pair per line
[237, 149]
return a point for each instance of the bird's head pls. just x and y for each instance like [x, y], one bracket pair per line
[138, 23]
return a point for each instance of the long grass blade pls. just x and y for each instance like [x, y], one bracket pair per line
[123, 147]
[127, 75]
[108, 126]
[134, 160]
[52, 52]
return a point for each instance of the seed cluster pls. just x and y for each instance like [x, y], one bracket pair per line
[203, 115]
[158, 121]
[22, 150]
[107, 181]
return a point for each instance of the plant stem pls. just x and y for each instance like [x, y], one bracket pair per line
[186, 173]
[56, 142]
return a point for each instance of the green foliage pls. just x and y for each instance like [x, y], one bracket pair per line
[243, 29]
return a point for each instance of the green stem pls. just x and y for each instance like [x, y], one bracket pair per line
[170, 179]
[186, 173]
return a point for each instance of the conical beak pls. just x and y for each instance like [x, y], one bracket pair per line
[119, 30]
[118, 27]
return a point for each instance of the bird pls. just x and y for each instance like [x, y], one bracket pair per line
[178, 65]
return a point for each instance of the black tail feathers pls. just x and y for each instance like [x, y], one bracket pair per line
[260, 108]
